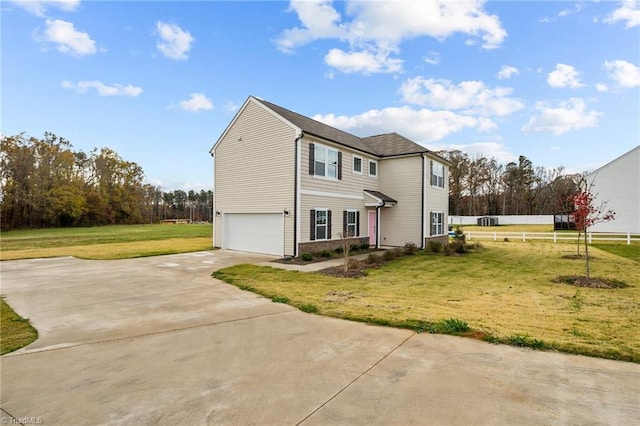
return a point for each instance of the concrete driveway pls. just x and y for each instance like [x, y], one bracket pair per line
[158, 341]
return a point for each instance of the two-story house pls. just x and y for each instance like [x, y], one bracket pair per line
[285, 184]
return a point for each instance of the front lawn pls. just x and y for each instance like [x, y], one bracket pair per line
[504, 292]
[105, 242]
[17, 332]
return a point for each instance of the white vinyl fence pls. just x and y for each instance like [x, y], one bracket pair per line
[505, 219]
[551, 236]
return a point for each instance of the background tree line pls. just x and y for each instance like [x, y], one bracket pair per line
[45, 183]
[483, 186]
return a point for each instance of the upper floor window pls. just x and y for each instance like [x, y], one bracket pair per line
[437, 174]
[357, 165]
[373, 168]
[325, 161]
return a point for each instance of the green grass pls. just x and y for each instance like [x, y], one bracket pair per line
[631, 251]
[105, 242]
[502, 293]
[16, 332]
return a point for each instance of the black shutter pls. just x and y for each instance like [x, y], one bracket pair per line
[312, 225]
[357, 224]
[431, 223]
[339, 165]
[345, 215]
[328, 224]
[312, 159]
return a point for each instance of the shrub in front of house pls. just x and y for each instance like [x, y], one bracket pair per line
[410, 248]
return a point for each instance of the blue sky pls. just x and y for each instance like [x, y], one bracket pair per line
[158, 82]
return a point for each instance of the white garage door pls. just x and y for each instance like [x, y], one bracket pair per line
[253, 232]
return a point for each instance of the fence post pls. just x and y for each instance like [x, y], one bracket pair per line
[555, 237]
[589, 235]
[629, 238]
[495, 236]
[524, 236]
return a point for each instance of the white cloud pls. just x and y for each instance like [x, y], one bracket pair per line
[566, 12]
[566, 116]
[433, 58]
[628, 12]
[506, 72]
[472, 97]
[67, 38]
[485, 149]
[420, 125]
[564, 76]
[39, 7]
[102, 89]
[365, 62]
[174, 43]
[624, 73]
[231, 106]
[377, 28]
[197, 102]
[600, 87]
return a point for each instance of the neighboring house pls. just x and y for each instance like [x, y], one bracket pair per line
[285, 184]
[618, 183]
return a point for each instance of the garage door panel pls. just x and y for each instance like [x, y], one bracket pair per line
[254, 232]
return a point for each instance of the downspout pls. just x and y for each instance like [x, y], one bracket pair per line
[296, 191]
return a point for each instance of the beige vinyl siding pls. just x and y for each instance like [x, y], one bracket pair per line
[337, 206]
[351, 183]
[254, 169]
[437, 198]
[401, 179]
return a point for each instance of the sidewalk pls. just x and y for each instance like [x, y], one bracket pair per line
[312, 267]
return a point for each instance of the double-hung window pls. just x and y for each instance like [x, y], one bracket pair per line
[357, 165]
[351, 223]
[320, 224]
[437, 174]
[437, 225]
[325, 161]
[373, 168]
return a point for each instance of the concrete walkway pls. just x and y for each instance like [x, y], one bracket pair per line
[158, 341]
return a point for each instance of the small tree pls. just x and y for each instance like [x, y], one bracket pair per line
[345, 239]
[586, 214]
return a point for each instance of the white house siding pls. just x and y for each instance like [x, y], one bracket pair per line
[351, 183]
[437, 198]
[401, 179]
[333, 194]
[256, 174]
[618, 183]
[337, 205]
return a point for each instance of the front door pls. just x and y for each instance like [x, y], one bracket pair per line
[372, 227]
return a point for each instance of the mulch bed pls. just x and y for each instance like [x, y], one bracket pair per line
[581, 281]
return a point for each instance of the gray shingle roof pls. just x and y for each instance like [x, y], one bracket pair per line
[386, 145]
[379, 195]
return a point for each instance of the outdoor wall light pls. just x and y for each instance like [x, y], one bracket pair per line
[286, 212]
[218, 213]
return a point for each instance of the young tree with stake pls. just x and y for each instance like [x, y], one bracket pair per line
[586, 214]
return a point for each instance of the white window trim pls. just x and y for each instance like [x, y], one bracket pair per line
[432, 223]
[431, 175]
[369, 168]
[326, 162]
[355, 223]
[353, 164]
[326, 225]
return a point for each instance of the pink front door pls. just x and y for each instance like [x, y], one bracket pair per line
[372, 227]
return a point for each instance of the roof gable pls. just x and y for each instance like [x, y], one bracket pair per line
[385, 145]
